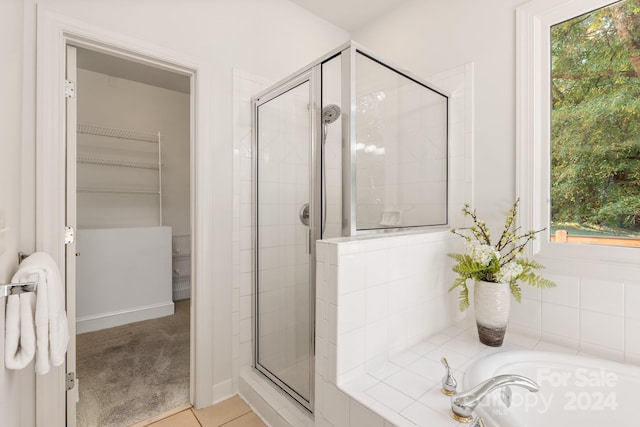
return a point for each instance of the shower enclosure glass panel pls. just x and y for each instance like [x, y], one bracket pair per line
[283, 287]
[401, 149]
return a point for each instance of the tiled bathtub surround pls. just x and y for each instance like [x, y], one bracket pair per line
[384, 295]
[376, 298]
[405, 390]
[599, 317]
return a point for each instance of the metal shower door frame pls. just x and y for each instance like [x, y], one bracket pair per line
[313, 77]
[350, 138]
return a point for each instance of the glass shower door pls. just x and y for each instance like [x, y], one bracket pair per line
[284, 239]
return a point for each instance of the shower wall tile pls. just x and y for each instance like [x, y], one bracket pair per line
[331, 321]
[245, 330]
[352, 311]
[351, 274]
[377, 268]
[602, 296]
[377, 303]
[377, 340]
[245, 86]
[352, 354]
[339, 403]
[361, 416]
[246, 284]
[379, 315]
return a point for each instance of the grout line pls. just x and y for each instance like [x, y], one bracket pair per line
[167, 414]
[195, 416]
[240, 416]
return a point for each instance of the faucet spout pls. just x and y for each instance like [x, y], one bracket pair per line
[463, 404]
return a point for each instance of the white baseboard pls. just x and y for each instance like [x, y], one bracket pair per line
[222, 390]
[117, 318]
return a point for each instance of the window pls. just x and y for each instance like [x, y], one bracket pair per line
[595, 127]
[578, 128]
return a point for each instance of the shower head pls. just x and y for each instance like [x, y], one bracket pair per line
[330, 113]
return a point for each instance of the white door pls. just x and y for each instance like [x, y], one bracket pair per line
[70, 253]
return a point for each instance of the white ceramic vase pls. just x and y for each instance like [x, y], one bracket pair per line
[492, 302]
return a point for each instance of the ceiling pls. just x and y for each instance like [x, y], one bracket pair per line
[349, 14]
[130, 70]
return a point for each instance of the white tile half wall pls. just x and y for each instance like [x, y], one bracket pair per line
[375, 297]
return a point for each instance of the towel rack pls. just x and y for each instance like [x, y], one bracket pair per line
[22, 256]
[17, 288]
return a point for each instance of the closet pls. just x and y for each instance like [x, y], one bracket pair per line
[120, 195]
[132, 192]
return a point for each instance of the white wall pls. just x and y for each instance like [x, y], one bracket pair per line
[249, 34]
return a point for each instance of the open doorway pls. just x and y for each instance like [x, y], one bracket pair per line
[132, 264]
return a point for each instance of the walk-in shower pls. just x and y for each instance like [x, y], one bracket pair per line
[349, 145]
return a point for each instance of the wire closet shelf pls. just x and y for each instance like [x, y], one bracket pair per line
[124, 134]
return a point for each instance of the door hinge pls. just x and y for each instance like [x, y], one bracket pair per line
[69, 235]
[70, 381]
[69, 89]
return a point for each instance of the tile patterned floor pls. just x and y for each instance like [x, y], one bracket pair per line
[233, 412]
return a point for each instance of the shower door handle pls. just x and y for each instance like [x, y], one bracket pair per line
[309, 246]
[303, 214]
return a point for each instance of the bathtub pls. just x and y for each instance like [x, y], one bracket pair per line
[574, 390]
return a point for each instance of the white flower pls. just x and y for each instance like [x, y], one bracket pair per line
[509, 272]
[482, 254]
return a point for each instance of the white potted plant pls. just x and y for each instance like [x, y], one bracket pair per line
[497, 270]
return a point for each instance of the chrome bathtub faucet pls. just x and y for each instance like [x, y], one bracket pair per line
[463, 404]
[449, 383]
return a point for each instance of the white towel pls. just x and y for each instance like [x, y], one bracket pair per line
[52, 329]
[20, 338]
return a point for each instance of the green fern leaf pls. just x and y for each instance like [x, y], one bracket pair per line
[516, 292]
[463, 298]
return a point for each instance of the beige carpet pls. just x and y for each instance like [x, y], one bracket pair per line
[132, 372]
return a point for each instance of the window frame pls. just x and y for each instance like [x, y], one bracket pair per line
[533, 123]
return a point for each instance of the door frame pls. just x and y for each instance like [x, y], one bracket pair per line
[313, 77]
[54, 33]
